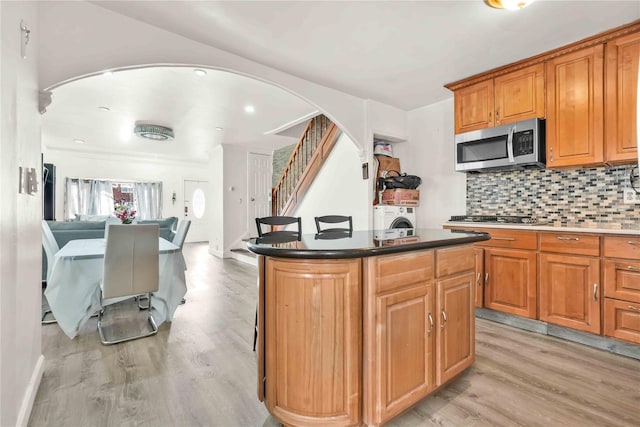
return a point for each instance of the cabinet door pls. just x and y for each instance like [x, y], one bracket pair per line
[575, 110]
[455, 326]
[511, 281]
[479, 288]
[570, 291]
[620, 97]
[622, 320]
[473, 107]
[405, 366]
[313, 340]
[519, 95]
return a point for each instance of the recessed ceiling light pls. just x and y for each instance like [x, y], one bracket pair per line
[509, 4]
[108, 74]
[249, 109]
[79, 141]
[104, 108]
[200, 73]
[218, 128]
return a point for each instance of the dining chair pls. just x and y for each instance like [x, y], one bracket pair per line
[333, 219]
[131, 263]
[50, 247]
[276, 222]
[181, 233]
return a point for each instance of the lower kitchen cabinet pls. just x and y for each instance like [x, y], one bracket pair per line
[622, 320]
[570, 291]
[455, 313]
[405, 347]
[510, 284]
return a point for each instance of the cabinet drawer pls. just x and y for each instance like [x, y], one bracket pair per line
[396, 271]
[622, 280]
[513, 239]
[622, 320]
[455, 260]
[570, 243]
[622, 247]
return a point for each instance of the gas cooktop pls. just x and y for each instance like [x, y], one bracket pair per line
[500, 219]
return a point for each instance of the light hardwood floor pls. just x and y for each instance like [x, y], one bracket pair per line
[200, 371]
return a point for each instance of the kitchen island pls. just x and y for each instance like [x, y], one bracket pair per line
[354, 328]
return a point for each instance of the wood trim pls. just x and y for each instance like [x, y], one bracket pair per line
[293, 157]
[594, 40]
[260, 347]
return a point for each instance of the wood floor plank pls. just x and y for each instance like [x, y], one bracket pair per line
[199, 370]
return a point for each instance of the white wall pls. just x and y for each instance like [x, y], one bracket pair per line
[75, 164]
[91, 38]
[443, 191]
[21, 361]
[338, 189]
[234, 196]
[216, 184]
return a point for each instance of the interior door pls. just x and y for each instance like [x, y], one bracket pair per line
[196, 210]
[258, 189]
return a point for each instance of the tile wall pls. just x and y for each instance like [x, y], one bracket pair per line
[570, 196]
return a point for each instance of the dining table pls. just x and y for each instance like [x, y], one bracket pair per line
[73, 289]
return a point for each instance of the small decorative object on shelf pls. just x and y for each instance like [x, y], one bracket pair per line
[124, 213]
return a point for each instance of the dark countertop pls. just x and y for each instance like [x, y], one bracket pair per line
[360, 244]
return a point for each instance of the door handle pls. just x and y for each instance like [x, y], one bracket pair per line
[595, 292]
[486, 279]
[253, 199]
[631, 267]
[507, 239]
[634, 308]
[568, 238]
[444, 319]
[478, 280]
[430, 323]
[631, 242]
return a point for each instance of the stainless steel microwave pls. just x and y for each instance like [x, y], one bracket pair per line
[519, 145]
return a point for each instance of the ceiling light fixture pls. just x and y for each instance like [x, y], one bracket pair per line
[154, 132]
[79, 141]
[509, 4]
[200, 73]
[104, 108]
[249, 109]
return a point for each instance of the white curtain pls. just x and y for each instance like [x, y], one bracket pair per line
[101, 198]
[147, 198]
[77, 197]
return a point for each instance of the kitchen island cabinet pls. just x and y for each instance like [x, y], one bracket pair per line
[355, 330]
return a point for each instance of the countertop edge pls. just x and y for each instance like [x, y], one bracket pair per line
[363, 252]
[530, 227]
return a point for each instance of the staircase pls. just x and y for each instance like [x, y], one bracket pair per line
[305, 162]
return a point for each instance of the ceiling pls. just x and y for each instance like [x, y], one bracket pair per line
[397, 52]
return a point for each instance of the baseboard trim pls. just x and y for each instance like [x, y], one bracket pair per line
[596, 341]
[30, 393]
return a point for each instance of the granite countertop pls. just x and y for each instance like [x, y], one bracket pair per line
[358, 244]
[600, 228]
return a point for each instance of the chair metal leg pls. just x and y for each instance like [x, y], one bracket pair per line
[46, 321]
[255, 332]
[140, 306]
[150, 319]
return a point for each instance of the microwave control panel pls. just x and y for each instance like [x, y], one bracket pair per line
[523, 142]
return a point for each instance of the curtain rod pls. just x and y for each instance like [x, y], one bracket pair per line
[116, 181]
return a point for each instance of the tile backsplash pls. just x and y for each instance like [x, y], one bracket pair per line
[588, 196]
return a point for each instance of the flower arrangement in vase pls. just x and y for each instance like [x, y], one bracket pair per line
[124, 213]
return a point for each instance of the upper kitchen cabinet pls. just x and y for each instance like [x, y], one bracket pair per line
[517, 95]
[622, 56]
[575, 108]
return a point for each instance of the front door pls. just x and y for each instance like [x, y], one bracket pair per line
[258, 190]
[196, 210]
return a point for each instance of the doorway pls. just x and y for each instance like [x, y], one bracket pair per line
[258, 189]
[196, 210]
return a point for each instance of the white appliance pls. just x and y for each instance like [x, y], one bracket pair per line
[386, 217]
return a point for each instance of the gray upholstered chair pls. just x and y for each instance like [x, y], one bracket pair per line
[130, 269]
[181, 233]
[50, 247]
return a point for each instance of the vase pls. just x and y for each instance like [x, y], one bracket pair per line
[127, 221]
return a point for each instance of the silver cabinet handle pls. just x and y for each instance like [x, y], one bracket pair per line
[508, 239]
[430, 324]
[444, 319]
[631, 267]
[634, 308]
[486, 279]
[478, 280]
[568, 238]
[595, 292]
[631, 242]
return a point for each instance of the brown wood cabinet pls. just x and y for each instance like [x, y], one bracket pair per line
[511, 278]
[575, 108]
[622, 288]
[518, 95]
[622, 59]
[299, 293]
[570, 291]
